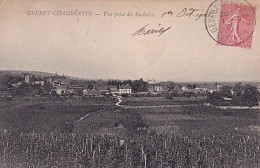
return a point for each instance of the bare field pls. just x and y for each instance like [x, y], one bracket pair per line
[48, 114]
[197, 117]
[201, 118]
[160, 101]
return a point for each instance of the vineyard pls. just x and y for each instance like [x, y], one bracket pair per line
[177, 150]
[93, 133]
[160, 101]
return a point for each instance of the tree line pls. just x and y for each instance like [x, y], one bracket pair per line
[238, 95]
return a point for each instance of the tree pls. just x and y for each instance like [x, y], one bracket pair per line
[189, 86]
[90, 86]
[171, 95]
[226, 91]
[215, 99]
[250, 95]
[251, 90]
[129, 82]
[238, 89]
[246, 96]
[114, 82]
[12, 79]
[139, 86]
[249, 100]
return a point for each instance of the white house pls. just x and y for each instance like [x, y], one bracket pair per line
[125, 89]
[85, 92]
[152, 82]
[184, 87]
[27, 79]
[212, 90]
[158, 88]
[60, 90]
[202, 89]
[39, 83]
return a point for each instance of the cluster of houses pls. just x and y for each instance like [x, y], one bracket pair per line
[61, 86]
[202, 89]
[28, 80]
[107, 90]
[153, 89]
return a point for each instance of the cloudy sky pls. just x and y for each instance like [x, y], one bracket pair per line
[101, 46]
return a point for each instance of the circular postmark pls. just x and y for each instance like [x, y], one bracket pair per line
[231, 22]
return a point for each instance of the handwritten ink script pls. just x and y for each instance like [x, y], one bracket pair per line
[146, 31]
[186, 12]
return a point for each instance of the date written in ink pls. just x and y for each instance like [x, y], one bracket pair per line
[186, 12]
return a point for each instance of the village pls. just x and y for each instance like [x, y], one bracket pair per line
[27, 85]
[89, 115]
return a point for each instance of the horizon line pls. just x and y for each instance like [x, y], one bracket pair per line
[106, 79]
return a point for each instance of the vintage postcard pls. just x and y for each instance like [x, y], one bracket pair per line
[129, 84]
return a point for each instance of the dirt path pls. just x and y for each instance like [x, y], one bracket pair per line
[119, 98]
[82, 118]
[118, 104]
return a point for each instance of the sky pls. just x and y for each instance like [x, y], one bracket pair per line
[101, 46]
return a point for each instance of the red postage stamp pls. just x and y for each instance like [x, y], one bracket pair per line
[231, 23]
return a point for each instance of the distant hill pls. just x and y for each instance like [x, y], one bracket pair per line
[35, 73]
[4, 73]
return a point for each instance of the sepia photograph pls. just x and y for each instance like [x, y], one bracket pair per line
[129, 84]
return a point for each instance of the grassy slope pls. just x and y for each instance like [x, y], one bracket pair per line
[203, 119]
[46, 115]
[110, 119]
[39, 115]
[155, 101]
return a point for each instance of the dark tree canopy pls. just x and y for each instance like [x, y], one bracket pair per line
[226, 91]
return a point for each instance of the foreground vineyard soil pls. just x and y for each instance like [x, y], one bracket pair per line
[178, 150]
[73, 133]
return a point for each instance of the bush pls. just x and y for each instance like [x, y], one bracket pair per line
[245, 100]
[216, 99]
[124, 95]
